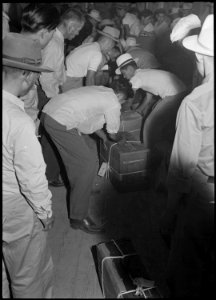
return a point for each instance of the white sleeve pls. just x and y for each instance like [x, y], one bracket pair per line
[95, 61]
[30, 170]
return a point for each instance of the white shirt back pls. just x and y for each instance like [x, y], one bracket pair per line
[158, 82]
[83, 58]
[87, 109]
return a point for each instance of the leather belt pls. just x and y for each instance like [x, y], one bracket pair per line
[210, 179]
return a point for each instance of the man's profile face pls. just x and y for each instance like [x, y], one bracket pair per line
[128, 72]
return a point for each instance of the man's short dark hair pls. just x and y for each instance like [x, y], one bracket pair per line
[122, 85]
[38, 16]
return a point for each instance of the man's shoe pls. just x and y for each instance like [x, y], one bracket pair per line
[86, 225]
[56, 183]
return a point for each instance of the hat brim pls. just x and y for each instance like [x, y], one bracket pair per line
[20, 65]
[118, 71]
[191, 43]
[107, 35]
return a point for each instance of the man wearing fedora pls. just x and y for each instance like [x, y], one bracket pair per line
[190, 203]
[85, 60]
[156, 83]
[27, 206]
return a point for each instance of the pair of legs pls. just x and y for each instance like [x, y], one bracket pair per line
[51, 157]
[79, 155]
[27, 263]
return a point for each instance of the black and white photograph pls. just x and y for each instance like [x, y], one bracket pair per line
[108, 150]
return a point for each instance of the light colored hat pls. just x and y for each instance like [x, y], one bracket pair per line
[122, 61]
[174, 10]
[22, 52]
[204, 42]
[110, 32]
[106, 22]
[187, 5]
[131, 42]
[183, 26]
[95, 14]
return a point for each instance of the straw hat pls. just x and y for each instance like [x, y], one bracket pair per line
[110, 32]
[22, 52]
[204, 42]
[122, 61]
[95, 14]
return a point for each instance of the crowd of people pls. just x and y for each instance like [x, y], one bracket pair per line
[67, 72]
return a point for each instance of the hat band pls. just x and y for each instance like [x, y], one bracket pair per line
[25, 60]
[126, 62]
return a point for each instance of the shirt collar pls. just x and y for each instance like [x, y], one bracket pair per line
[13, 99]
[59, 34]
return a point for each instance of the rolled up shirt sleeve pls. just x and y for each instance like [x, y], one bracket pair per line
[112, 118]
[30, 171]
[95, 62]
[186, 148]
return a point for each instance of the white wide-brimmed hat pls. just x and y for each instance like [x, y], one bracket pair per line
[22, 52]
[131, 42]
[204, 42]
[122, 61]
[110, 32]
[183, 27]
[95, 14]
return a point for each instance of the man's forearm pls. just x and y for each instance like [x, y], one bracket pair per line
[90, 80]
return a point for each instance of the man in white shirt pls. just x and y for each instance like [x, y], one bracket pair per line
[27, 205]
[71, 23]
[69, 119]
[85, 60]
[129, 21]
[164, 93]
[191, 197]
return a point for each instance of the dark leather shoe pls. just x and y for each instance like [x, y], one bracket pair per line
[56, 183]
[86, 225]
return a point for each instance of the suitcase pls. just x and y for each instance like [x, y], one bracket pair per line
[121, 273]
[131, 122]
[128, 164]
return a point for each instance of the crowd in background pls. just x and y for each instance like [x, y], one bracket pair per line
[89, 60]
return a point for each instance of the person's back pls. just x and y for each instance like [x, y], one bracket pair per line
[82, 108]
[158, 82]
[83, 58]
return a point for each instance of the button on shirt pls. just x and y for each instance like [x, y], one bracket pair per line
[157, 82]
[53, 58]
[87, 109]
[83, 58]
[24, 181]
[193, 148]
